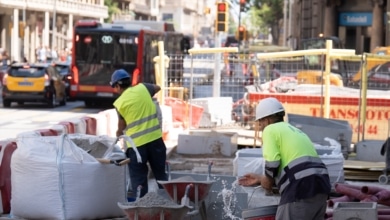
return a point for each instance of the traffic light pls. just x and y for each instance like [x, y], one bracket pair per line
[222, 22]
[242, 5]
[241, 33]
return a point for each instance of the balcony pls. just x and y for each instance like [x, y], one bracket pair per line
[62, 6]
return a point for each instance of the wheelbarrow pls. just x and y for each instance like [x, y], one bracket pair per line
[176, 212]
[177, 189]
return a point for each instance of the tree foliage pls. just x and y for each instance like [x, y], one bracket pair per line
[271, 14]
[112, 9]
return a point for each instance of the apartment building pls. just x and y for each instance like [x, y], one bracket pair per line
[361, 25]
[187, 15]
[27, 24]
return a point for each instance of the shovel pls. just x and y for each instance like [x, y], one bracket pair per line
[119, 162]
[185, 200]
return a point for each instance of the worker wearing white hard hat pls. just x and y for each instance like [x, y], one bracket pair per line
[292, 163]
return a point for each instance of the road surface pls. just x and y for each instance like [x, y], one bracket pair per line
[31, 116]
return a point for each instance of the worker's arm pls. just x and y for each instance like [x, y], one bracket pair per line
[152, 88]
[157, 88]
[267, 182]
[252, 179]
[121, 125]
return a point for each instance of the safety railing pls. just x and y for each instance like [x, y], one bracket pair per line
[335, 84]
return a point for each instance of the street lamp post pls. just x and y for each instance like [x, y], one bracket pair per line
[285, 22]
[54, 29]
[23, 54]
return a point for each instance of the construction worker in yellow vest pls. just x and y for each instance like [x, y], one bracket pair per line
[292, 162]
[137, 118]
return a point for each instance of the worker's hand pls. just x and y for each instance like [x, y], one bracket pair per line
[249, 179]
[266, 182]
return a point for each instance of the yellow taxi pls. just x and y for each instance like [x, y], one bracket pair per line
[33, 83]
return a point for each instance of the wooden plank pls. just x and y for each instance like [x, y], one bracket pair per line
[352, 173]
[364, 165]
[366, 178]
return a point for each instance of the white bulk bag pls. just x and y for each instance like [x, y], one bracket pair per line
[52, 178]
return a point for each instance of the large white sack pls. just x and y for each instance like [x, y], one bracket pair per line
[52, 178]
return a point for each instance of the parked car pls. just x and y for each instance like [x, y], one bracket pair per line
[64, 69]
[3, 71]
[33, 83]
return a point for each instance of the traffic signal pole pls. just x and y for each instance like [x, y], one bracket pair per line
[217, 67]
[239, 25]
[221, 25]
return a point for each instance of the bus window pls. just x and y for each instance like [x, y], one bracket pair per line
[99, 48]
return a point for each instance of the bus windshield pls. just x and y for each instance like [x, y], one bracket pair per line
[98, 55]
[102, 48]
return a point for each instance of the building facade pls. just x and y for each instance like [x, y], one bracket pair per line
[27, 24]
[361, 25]
[187, 15]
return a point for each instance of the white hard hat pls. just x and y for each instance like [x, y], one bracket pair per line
[267, 107]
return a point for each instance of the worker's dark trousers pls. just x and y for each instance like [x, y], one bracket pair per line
[313, 208]
[154, 153]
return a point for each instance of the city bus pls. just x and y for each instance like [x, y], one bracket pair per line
[101, 48]
[175, 43]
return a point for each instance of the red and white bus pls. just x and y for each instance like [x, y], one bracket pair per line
[101, 48]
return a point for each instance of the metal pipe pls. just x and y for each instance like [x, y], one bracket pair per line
[364, 95]
[161, 66]
[213, 50]
[329, 45]
[298, 53]
[191, 90]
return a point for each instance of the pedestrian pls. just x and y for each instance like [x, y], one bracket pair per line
[5, 59]
[41, 54]
[137, 118]
[292, 163]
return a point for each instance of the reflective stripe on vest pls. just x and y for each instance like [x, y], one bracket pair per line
[319, 169]
[146, 131]
[272, 168]
[140, 121]
[143, 126]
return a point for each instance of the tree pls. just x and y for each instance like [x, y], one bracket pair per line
[256, 25]
[270, 13]
[112, 9]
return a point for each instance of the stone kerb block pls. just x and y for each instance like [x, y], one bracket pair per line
[47, 132]
[5, 176]
[70, 128]
[90, 123]
[112, 121]
[207, 142]
[59, 129]
[217, 111]
[80, 126]
[101, 123]
[167, 121]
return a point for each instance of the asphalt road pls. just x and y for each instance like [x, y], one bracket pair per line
[31, 116]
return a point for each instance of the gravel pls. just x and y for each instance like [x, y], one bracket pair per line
[96, 148]
[152, 199]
